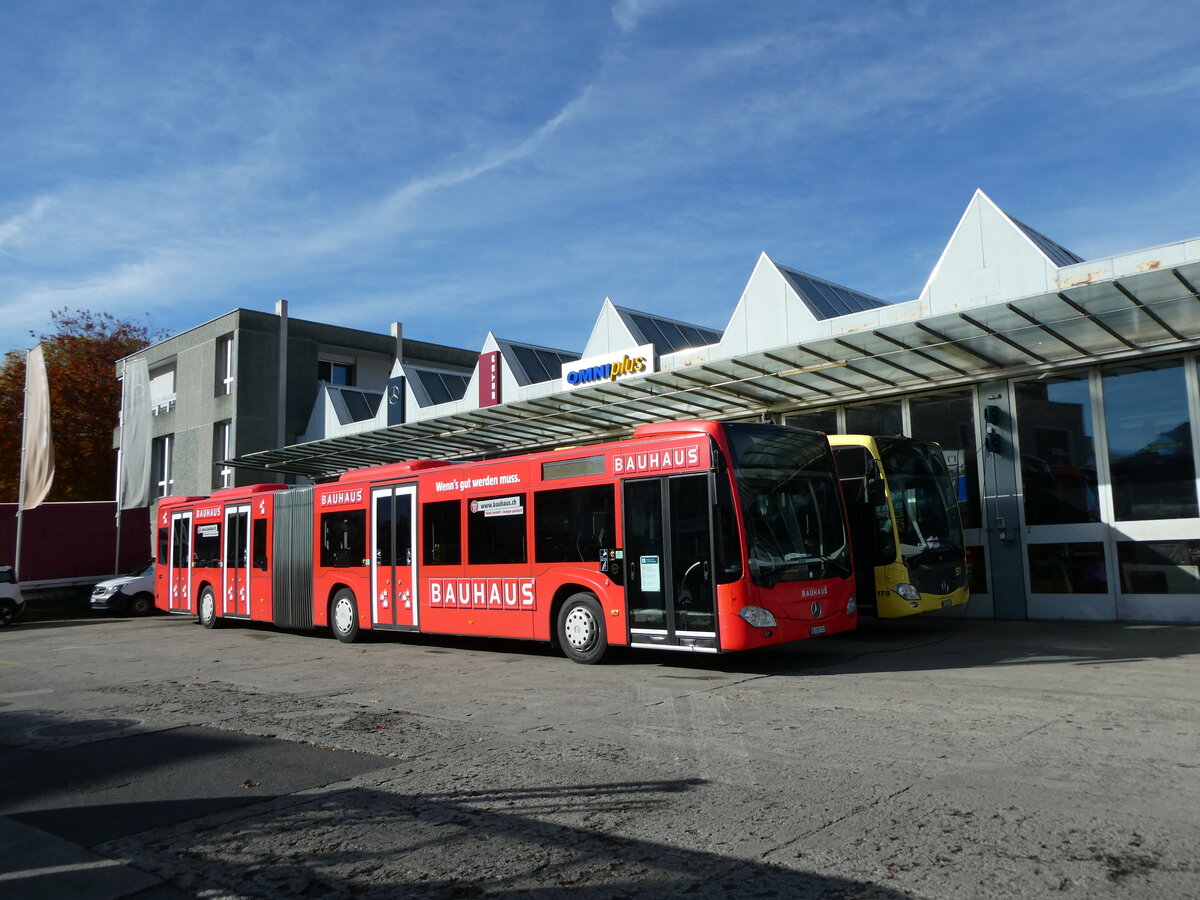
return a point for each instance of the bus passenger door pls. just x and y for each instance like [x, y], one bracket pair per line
[393, 559]
[237, 562]
[261, 605]
[179, 575]
[668, 556]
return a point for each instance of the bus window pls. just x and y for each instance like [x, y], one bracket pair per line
[208, 546]
[344, 538]
[441, 533]
[922, 499]
[792, 505]
[496, 531]
[179, 554]
[235, 540]
[259, 548]
[162, 546]
[729, 551]
[572, 524]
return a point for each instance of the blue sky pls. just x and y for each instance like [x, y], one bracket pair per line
[473, 166]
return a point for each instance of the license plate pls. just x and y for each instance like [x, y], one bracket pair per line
[817, 629]
[946, 603]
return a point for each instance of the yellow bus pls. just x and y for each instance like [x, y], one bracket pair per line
[909, 553]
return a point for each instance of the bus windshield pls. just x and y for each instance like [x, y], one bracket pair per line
[791, 503]
[922, 498]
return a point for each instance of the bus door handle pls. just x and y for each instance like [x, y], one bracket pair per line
[705, 570]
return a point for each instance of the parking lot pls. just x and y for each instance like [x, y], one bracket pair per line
[929, 758]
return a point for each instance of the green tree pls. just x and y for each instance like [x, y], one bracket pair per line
[85, 399]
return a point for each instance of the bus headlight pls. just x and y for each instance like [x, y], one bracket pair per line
[852, 605]
[757, 617]
[907, 591]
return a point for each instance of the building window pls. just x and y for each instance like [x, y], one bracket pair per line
[817, 420]
[1159, 567]
[163, 450]
[1150, 442]
[1067, 568]
[222, 450]
[948, 420]
[1058, 457]
[336, 372]
[224, 380]
[162, 388]
[875, 418]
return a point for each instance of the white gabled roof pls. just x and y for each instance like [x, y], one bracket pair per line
[992, 256]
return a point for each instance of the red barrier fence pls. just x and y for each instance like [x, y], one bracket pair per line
[74, 541]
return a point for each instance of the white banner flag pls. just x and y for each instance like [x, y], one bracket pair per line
[133, 488]
[37, 448]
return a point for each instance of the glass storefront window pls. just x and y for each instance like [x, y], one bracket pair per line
[1067, 568]
[875, 418]
[1058, 457]
[949, 421]
[1150, 442]
[1159, 567]
[818, 420]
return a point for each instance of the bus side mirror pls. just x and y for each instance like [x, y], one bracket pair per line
[876, 492]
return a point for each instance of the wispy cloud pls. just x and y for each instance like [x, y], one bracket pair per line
[12, 230]
[629, 14]
[379, 219]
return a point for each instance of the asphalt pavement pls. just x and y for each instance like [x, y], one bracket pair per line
[939, 758]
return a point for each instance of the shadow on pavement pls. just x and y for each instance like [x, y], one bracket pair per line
[533, 842]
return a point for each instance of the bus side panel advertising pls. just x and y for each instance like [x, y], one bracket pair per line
[492, 590]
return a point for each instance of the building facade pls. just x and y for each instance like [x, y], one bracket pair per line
[251, 381]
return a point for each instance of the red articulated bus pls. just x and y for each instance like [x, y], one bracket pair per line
[698, 536]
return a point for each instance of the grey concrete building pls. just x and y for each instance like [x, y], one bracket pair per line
[248, 381]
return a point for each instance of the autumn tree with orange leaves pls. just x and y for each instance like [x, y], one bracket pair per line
[85, 399]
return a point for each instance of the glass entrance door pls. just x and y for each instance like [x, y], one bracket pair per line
[1065, 538]
[669, 552]
[393, 566]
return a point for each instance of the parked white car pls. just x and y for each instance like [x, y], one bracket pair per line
[132, 594]
[12, 604]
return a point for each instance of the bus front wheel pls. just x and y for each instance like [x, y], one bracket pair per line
[343, 616]
[208, 608]
[581, 629]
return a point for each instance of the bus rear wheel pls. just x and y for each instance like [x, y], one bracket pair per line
[343, 616]
[208, 608]
[581, 629]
